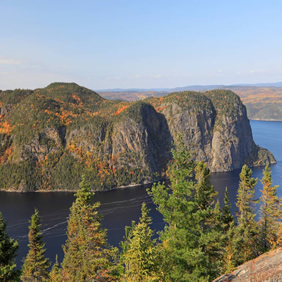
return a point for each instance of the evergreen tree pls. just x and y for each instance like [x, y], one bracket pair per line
[205, 193]
[87, 255]
[55, 273]
[35, 267]
[8, 252]
[210, 220]
[228, 228]
[269, 212]
[190, 243]
[227, 217]
[140, 258]
[246, 233]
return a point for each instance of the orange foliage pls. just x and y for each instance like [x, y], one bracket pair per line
[8, 152]
[121, 109]
[64, 116]
[92, 114]
[6, 128]
[76, 150]
[159, 109]
[77, 99]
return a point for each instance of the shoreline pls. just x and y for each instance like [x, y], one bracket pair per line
[68, 191]
[117, 187]
[257, 119]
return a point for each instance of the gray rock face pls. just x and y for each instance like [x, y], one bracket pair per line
[215, 131]
[129, 146]
[267, 267]
[148, 139]
[218, 133]
[48, 141]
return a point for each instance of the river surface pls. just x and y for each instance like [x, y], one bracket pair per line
[120, 206]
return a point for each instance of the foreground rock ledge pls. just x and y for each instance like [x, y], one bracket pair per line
[267, 267]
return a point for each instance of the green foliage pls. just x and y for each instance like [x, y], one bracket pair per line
[227, 217]
[205, 192]
[246, 233]
[225, 102]
[35, 267]
[8, 252]
[190, 244]
[270, 213]
[139, 254]
[87, 255]
[55, 273]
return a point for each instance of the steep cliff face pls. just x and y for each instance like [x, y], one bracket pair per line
[214, 126]
[144, 133]
[51, 136]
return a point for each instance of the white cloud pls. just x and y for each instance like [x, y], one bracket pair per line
[10, 61]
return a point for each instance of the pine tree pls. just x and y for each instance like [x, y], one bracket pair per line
[269, 212]
[8, 252]
[210, 220]
[227, 217]
[35, 267]
[228, 228]
[140, 258]
[205, 193]
[55, 273]
[190, 242]
[87, 255]
[246, 233]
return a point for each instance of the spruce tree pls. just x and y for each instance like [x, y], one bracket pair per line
[246, 233]
[55, 273]
[140, 257]
[269, 212]
[87, 255]
[190, 242]
[8, 252]
[227, 217]
[205, 193]
[35, 267]
[210, 220]
[228, 228]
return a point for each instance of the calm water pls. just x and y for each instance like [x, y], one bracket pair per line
[121, 206]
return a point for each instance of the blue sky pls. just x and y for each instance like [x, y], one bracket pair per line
[139, 43]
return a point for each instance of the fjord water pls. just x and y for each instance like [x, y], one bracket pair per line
[120, 206]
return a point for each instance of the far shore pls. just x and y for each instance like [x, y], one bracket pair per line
[258, 119]
[93, 191]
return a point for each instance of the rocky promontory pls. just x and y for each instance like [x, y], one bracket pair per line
[51, 136]
[266, 268]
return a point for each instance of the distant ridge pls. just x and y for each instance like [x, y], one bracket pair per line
[263, 100]
[194, 87]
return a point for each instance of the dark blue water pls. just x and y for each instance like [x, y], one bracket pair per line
[121, 206]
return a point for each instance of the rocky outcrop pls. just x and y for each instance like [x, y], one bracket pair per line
[215, 128]
[146, 136]
[50, 140]
[55, 134]
[266, 268]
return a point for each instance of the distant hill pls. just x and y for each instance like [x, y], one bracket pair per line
[51, 136]
[263, 100]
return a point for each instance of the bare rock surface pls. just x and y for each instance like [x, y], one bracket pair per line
[265, 268]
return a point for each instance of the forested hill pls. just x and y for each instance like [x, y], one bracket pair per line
[51, 136]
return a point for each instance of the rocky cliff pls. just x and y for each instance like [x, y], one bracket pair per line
[214, 126]
[267, 268]
[51, 136]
